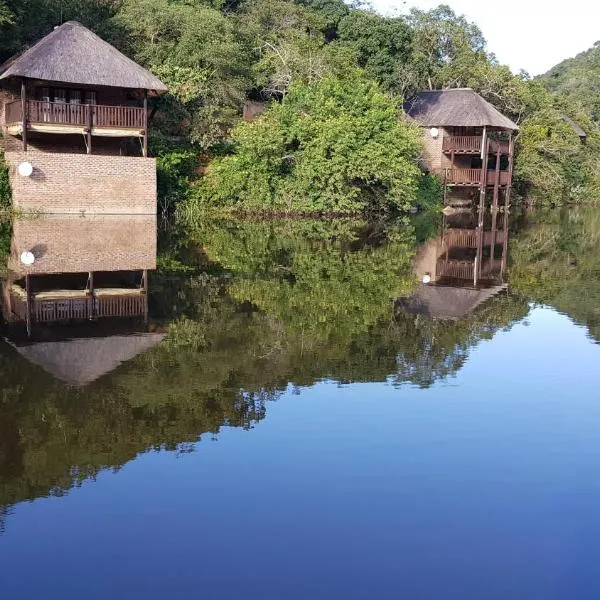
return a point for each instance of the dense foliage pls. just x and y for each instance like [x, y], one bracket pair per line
[334, 146]
[215, 56]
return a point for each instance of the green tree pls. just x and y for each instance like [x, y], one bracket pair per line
[334, 146]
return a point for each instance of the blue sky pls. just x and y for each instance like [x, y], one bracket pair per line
[525, 34]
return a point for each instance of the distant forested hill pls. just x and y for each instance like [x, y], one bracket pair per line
[579, 79]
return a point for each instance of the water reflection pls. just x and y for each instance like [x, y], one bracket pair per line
[250, 308]
[83, 295]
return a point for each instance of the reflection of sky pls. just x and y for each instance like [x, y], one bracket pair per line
[485, 486]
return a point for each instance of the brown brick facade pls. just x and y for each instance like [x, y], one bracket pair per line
[70, 244]
[84, 184]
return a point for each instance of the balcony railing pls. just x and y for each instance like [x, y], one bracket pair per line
[468, 238]
[471, 144]
[472, 177]
[81, 115]
[465, 269]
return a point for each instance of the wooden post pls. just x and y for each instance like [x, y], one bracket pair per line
[91, 301]
[90, 124]
[145, 283]
[511, 149]
[495, 206]
[28, 304]
[482, 193]
[24, 113]
[145, 123]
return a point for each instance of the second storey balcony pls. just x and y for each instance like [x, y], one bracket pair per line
[471, 144]
[68, 118]
[474, 177]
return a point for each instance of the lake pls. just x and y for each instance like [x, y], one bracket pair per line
[288, 413]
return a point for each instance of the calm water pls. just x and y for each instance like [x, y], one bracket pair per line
[296, 434]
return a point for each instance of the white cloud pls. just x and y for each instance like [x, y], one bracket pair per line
[525, 34]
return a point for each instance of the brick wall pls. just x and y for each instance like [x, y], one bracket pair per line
[81, 183]
[71, 244]
[433, 156]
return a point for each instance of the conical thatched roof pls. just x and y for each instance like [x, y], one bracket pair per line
[73, 54]
[461, 107]
[81, 361]
[445, 302]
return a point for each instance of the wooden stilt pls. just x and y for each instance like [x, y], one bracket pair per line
[145, 150]
[24, 113]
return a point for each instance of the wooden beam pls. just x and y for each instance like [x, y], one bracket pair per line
[24, 113]
[28, 303]
[145, 283]
[145, 122]
[90, 124]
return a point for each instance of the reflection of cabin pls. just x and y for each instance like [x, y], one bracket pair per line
[83, 269]
[83, 357]
[463, 267]
[76, 109]
[468, 142]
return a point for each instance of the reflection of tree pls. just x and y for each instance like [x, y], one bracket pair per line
[429, 349]
[555, 260]
[277, 304]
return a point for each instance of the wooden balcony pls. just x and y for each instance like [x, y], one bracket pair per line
[467, 238]
[472, 177]
[65, 305]
[61, 117]
[471, 144]
[465, 269]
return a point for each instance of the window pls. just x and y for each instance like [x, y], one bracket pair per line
[66, 96]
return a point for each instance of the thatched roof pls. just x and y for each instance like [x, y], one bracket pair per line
[81, 361]
[445, 302]
[462, 107]
[73, 54]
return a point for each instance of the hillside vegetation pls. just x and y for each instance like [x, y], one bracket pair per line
[578, 80]
[318, 64]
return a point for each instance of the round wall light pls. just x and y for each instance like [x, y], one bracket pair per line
[426, 278]
[25, 169]
[435, 133]
[27, 258]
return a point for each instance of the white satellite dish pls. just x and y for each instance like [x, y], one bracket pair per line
[25, 169]
[426, 278]
[27, 258]
[435, 133]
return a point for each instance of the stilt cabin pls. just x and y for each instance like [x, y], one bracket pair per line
[468, 142]
[76, 111]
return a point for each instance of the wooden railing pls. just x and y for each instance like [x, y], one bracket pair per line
[471, 144]
[128, 117]
[462, 143]
[121, 306]
[84, 115]
[59, 113]
[465, 269]
[473, 176]
[81, 308]
[467, 238]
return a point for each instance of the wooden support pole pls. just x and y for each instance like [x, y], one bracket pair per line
[145, 123]
[24, 113]
[495, 207]
[92, 300]
[28, 302]
[145, 284]
[90, 125]
[485, 147]
[511, 150]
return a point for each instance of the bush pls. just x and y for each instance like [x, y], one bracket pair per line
[330, 147]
